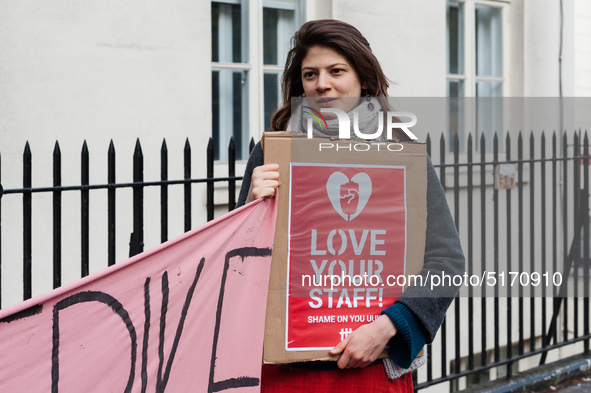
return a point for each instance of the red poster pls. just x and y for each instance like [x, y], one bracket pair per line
[347, 237]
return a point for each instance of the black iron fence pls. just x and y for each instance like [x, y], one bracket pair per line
[521, 210]
[532, 221]
[136, 242]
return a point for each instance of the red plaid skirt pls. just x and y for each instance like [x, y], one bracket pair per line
[287, 379]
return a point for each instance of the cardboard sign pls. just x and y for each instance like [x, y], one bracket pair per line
[185, 316]
[348, 219]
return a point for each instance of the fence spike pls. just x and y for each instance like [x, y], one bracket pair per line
[136, 245]
[111, 163]
[163, 192]
[187, 159]
[585, 150]
[187, 164]
[57, 216]
[164, 160]
[576, 143]
[138, 148]
[57, 163]
[111, 205]
[27, 175]
[85, 212]
[209, 163]
[442, 161]
[231, 173]
[85, 163]
[508, 146]
[27, 223]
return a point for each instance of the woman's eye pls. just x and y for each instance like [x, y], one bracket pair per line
[308, 74]
[337, 70]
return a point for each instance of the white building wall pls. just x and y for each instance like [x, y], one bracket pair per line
[582, 48]
[95, 71]
[409, 41]
[541, 48]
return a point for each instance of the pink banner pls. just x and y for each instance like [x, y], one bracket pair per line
[185, 316]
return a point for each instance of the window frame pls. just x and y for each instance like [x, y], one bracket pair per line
[469, 79]
[469, 76]
[254, 67]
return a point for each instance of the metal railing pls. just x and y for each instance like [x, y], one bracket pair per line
[540, 224]
[538, 221]
[136, 243]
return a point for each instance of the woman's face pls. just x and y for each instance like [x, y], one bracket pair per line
[327, 78]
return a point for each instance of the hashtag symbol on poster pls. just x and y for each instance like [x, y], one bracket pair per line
[345, 332]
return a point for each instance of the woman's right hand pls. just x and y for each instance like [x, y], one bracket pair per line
[264, 182]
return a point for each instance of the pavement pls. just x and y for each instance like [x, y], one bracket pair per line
[572, 375]
[578, 385]
[584, 387]
[580, 388]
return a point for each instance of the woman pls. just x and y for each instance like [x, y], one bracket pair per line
[329, 62]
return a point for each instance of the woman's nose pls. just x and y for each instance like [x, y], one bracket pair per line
[323, 82]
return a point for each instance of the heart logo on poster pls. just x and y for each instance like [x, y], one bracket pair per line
[348, 197]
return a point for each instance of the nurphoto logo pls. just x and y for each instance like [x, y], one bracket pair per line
[345, 123]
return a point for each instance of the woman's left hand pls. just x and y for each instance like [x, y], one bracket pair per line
[364, 345]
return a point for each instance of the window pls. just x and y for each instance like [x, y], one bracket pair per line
[246, 91]
[279, 24]
[229, 53]
[475, 59]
